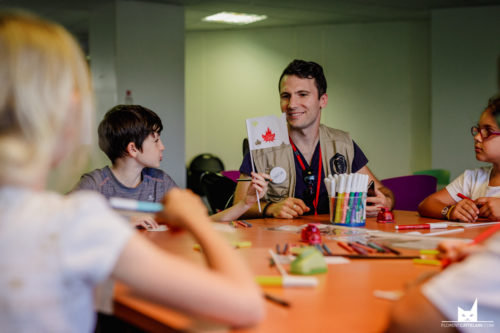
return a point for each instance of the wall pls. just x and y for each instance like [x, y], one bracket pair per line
[147, 59]
[378, 86]
[465, 73]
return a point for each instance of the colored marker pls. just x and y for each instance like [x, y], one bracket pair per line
[340, 198]
[421, 226]
[464, 197]
[250, 179]
[428, 262]
[345, 246]
[486, 234]
[276, 300]
[347, 197]
[327, 249]
[139, 206]
[287, 281]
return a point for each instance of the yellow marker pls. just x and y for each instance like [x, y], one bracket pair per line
[429, 251]
[237, 245]
[269, 280]
[242, 244]
[427, 262]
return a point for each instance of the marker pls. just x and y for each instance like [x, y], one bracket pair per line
[276, 300]
[287, 281]
[486, 234]
[139, 206]
[422, 226]
[250, 179]
[428, 262]
[345, 246]
[464, 197]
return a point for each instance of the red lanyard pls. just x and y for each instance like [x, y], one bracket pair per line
[296, 153]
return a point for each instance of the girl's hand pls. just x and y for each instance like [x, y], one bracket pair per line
[489, 208]
[456, 250]
[465, 211]
[259, 186]
[182, 208]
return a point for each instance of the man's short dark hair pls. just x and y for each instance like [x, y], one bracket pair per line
[124, 124]
[306, 70]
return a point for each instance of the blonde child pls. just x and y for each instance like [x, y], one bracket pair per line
[481, 185]
[60, 247]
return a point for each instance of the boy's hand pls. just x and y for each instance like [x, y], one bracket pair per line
[259, 185]
[181, 209]
[145, 221]
[465, 210]
[489, 208]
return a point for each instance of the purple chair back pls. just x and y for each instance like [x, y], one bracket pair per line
[231, 174]
[409, 191]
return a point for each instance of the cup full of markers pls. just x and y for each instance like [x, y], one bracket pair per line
[347, 194]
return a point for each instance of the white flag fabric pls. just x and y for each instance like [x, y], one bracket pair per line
[268, 131]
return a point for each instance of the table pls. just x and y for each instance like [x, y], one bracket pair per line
[342, 302]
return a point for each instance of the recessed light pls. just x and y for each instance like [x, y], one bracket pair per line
[234, 18]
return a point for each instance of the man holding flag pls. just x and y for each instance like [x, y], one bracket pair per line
[299, 160]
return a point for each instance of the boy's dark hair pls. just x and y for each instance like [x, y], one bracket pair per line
[306, 70]
[124, 124]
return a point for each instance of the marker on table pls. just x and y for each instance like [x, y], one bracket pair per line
[421, 226]
[139, 206]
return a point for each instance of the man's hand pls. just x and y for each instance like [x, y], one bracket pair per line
[258, 186]
[288, 208]
[379, 201]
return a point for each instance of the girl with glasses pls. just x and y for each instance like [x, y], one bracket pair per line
[475, 193]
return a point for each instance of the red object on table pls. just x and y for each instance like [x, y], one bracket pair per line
[311, 234]
[385, 216]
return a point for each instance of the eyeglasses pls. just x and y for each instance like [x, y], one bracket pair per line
[484, 131]
[309, 179]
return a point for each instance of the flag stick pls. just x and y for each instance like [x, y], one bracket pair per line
[256, 192]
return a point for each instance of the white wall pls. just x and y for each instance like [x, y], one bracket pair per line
[378, 86]
[465, 59]
[139, 46]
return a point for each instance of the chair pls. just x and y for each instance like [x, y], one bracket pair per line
[218, 190]
[231, 174]
[200, 164]
[409, 191]
[442, 175]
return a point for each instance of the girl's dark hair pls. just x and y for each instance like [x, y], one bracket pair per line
[124, 124]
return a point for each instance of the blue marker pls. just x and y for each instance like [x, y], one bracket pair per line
[139, 206]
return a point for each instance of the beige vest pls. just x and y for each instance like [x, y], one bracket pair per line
[332, 141]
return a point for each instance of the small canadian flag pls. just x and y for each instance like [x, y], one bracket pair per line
[267, 131]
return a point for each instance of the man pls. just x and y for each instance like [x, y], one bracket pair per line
[314, 151]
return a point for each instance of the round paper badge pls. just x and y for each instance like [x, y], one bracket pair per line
[278, 175]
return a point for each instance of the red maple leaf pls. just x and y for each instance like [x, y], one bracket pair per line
[268, 136]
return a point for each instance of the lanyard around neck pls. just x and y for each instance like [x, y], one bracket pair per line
[303, 167]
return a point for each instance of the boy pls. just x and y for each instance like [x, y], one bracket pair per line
[130, 136]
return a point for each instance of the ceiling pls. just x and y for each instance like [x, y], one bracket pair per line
[74, 15]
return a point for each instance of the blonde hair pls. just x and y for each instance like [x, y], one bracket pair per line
[42, 69]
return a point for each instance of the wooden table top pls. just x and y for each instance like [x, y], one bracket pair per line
[343, 301]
